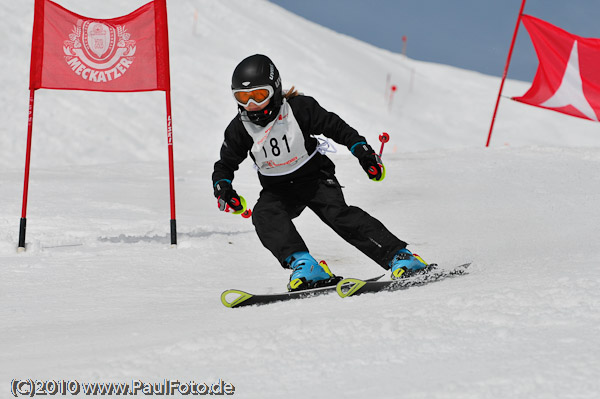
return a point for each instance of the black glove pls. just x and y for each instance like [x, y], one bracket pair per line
[227, 197]
[370, 161]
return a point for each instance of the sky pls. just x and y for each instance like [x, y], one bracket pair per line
[470, 34]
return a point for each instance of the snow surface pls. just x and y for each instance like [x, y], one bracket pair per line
[99, 295]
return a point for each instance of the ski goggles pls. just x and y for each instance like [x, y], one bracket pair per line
[257, 95]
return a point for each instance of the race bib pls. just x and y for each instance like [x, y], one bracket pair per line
[279, 148]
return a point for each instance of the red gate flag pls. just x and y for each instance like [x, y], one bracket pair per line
[568, 75]
[72, 52]
[128, 53]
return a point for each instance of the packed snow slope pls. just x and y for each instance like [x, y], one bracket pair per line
[99, 295]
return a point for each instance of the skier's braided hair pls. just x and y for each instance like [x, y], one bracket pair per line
[292, 92]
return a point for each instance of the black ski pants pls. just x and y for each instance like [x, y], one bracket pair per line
[273, 213]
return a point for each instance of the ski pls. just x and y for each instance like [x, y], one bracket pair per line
[352, 287]
[238, 299]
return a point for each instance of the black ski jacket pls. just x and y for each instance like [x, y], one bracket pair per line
[313, 120]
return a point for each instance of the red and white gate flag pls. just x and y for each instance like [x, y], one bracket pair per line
[568, 75]
[73, 52]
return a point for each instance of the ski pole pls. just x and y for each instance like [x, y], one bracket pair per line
[384, 138]
[245, 212]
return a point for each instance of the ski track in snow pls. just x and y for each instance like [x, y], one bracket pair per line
[99, 295]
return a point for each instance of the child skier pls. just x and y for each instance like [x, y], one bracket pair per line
[277, 131]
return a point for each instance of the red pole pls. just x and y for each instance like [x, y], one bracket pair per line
[171, 169]
[512, 45]
[392, 92]
[23, 224]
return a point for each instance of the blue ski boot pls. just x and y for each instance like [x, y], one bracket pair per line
[307, 273]
[406, 264]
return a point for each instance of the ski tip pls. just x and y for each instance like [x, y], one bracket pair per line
[459, 267]
[349, 286]
[236, 296]
[463, 266]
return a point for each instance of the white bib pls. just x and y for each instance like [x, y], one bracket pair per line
[279, 147]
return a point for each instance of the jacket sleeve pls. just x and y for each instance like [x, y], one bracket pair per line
[234, 151]
[316, 120]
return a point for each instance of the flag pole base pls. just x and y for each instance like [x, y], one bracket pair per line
[22, 228]
[173, 233]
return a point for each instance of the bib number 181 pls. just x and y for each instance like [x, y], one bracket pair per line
[275, 149]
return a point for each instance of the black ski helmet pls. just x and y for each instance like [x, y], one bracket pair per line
[255, 71]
